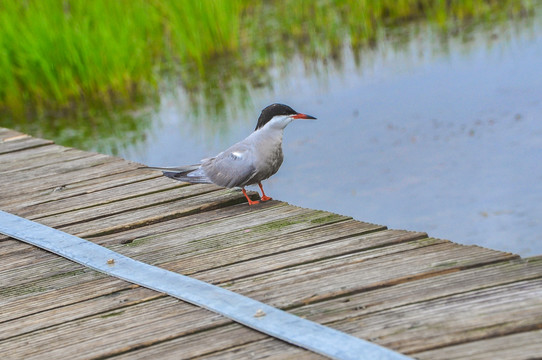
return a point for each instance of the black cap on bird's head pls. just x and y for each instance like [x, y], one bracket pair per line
[278, 109]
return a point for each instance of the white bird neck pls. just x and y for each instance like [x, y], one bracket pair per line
[269, 134]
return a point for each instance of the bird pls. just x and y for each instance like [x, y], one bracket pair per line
[248, 162]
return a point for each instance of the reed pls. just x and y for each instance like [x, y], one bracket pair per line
[70, 55]
[59, 53]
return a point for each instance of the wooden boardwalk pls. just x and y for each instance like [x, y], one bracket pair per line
[424, 297]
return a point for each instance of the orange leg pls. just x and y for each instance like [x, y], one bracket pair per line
[250, 202]
[264, 197]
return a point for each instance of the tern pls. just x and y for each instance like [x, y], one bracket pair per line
[248, 162]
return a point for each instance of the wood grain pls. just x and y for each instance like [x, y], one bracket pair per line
[429, 298]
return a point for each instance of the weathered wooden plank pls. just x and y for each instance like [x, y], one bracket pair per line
[75, 311]
[113, 332]
[199, 344]
[223, 233]
[293, 295]
[19, 267]
[264, 349]
[26, 256]
[362, 271]
[32, 166]
[96, 168]
[17, 254]
[274, 243]
[86, 187]
[452, 320]
[422, 289]
[521, 346]
[156, 213]
[29, 266]
[160, 340]
[8, 245]
[24, 267]
[43, 284]
[258, 347]
[79, 161]
[227, 215]
[34, 173]
[37, 156]
[85, 197]
[176, 224]
[6, 133]
[135, 198]
[374, 283]
[267, 259]
[32, 269]
[460, 318]
[47, 265]
[54, 293]
[14, 143]
[509, 271]
[37, 264]
[107, 201]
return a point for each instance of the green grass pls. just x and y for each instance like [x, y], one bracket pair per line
[57, 54]
[75, 59]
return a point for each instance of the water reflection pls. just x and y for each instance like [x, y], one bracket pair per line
[418, 131]
[101, 129]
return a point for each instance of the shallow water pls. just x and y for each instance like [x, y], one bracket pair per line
[427, 134]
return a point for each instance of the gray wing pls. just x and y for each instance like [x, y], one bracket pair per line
[232, 167]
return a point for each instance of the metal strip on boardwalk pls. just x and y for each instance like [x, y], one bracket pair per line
[264, 318]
